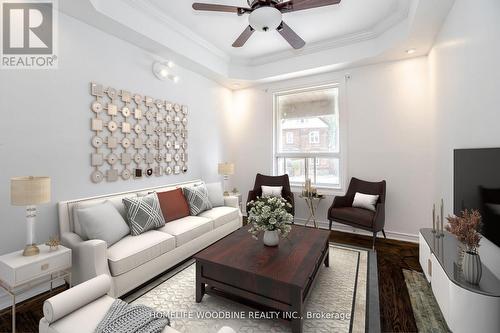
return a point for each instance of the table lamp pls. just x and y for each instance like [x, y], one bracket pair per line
[29, 192]
[226, 169]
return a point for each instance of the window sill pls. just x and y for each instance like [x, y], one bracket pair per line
[329, 191]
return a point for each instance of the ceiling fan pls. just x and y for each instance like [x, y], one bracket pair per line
[267, 15]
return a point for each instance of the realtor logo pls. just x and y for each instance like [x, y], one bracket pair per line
[28, 34]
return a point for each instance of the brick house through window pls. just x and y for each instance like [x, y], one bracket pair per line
[307, 133]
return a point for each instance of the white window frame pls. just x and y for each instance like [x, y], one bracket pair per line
[314, 138]
[341, 155]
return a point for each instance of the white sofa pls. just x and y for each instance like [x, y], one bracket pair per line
[135, 260]
[81, 308]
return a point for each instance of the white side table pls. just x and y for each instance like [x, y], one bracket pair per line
[240, 197]
[18, 274]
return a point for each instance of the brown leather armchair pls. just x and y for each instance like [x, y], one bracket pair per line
[342, 211]
[283, 180]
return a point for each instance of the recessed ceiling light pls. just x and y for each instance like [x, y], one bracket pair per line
[164, 72]
[411, 51]
[170, 64]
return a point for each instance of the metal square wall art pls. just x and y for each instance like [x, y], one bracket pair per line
[135, 136]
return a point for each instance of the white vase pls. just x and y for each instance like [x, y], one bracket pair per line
[471, 267]
[271, 238]
[461, 251]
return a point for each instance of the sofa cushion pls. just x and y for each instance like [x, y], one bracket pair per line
[215, 194]
[360, 216]
[133, 251]
[84, 319]
[103, 221]
[221, 215]
[197, 198]
[173, 204]
[143, 213]
[271, 191]
[116, 201]
[366, 201]
[187, 228]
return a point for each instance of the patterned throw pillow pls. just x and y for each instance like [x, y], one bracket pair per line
[197, 197]
[143, 214]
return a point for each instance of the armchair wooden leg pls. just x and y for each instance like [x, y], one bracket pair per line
[330, 227]
[374, 238]
[383, 233]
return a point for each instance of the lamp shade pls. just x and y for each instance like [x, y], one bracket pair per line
[27, 191]
[226, 169]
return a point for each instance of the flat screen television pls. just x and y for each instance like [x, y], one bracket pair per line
[477, 186]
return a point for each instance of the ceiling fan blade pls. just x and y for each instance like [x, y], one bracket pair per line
[290, 36]
[245, 35]
[295, 5]
[220, 8]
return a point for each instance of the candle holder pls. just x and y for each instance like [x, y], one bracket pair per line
[438, 231]
[434, 218]
[442, 218]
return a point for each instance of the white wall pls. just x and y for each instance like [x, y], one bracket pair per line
[404, 118]
[390, 136]
[45, 126]
[465, 79]
[403, 122]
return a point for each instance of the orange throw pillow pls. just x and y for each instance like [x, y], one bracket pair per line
[173, 205]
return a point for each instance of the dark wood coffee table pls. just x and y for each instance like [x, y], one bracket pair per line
[279, 278]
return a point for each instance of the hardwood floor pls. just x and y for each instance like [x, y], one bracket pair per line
[392, 256]
[28, 313]
[396, 314]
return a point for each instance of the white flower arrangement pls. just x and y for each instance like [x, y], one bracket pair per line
[269, 214]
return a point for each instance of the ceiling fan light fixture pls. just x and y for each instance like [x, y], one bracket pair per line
[265, 19]
[267, 15]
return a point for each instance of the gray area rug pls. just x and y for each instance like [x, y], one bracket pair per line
[339, 293]
[426, 311]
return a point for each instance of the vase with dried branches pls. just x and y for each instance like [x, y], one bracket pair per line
[466, 228]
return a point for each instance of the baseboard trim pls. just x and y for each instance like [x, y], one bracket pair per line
[345, 228]
[396, 235]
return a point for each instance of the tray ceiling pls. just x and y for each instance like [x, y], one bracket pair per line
[319, 26]
[356, 32]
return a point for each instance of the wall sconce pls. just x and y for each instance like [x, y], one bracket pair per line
[163, 71]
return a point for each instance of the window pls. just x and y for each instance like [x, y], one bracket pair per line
[313, 137]
[307, 140]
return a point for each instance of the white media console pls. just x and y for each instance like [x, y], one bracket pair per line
[465, 307]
